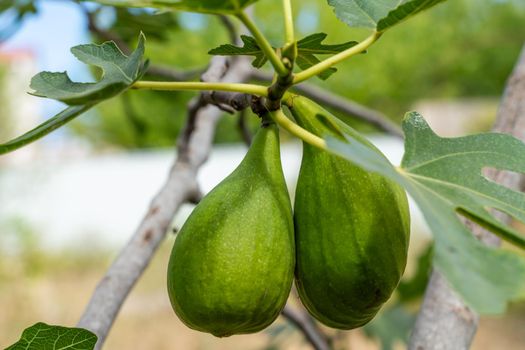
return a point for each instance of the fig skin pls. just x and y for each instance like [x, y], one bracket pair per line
[232, 264]
[352, 229]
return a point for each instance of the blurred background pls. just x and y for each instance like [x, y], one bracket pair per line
[71, 200]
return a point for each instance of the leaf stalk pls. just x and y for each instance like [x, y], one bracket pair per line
[265, 46]
[288, 22]
[251, 89]
[329, 62]
[294, 129]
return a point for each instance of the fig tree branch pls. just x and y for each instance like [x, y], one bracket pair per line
[230, 28]
[307, 326]
[346, 106]
[193, 150]
[351, 108]
[444, 321]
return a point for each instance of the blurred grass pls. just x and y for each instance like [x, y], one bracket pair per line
[54, 287]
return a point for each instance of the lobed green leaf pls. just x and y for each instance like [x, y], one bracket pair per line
[362, 13]
[45, 337]
[405, 11]
[43, 129]
[313, 45]
[307, 49]
[379, 15]
[250, 48]
[119, 73]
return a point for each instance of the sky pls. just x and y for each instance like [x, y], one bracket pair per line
[58, 26]
[50, 34]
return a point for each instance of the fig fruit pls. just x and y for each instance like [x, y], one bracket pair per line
[232, 264]
[351, 227]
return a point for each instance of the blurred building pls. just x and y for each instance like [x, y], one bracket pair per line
[19, 111]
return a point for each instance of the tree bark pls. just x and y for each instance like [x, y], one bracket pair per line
[302, 320]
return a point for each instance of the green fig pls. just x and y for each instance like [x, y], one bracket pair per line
[232, 264]
[352, 229]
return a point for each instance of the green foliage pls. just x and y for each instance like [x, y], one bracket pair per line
[412, 62]
[204, 6]
[45, 337]
[138, 120]
[154, 25]
[444, 176]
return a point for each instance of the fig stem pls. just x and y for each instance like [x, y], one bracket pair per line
[294, 129]
[251, 89]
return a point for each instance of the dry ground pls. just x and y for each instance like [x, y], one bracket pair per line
[55, 290]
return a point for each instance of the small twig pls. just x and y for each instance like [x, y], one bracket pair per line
[227, 101]
[171, 74]
[193, 150]
[330, 100]
[307, 326]
[444, 321]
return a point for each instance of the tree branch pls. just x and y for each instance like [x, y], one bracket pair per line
[193, 150]
[307, 326]
[444, 321]
[341, 104]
